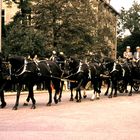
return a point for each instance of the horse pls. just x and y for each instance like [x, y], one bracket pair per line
[30, 73]
[4, 80]
[80, 74]
[116, 73]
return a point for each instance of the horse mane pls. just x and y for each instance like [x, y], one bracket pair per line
[16, 61]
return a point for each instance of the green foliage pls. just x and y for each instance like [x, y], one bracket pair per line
[22, 40]
[130, 20]
[66, 24]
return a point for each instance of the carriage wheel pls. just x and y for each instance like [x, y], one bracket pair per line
[136, 87]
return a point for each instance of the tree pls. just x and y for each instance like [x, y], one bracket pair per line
[67, 25]
[21, 38]
[130, 20]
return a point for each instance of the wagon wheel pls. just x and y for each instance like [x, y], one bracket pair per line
[136, 86]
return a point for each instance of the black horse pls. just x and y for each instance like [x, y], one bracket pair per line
[31, 73]
[80, 74]
[4, 79]
[116, 73]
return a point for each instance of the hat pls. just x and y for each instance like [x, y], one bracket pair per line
[54, 52]
[128, 47]
[61, 53]
[137, 47]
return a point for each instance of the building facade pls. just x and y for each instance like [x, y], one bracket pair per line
[106, 28]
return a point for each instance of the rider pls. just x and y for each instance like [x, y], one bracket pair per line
[61, 60]
[128, 54]
[54, 56]
[136, 57]
[34, 58]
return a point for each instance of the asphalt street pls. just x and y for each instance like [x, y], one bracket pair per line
[104, 119]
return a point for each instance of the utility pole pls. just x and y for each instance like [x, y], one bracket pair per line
[0, 26]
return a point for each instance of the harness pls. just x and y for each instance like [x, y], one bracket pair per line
[114, 67]
[24, 67]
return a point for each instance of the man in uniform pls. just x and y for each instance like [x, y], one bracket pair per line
[127, 54]
[136, 57]
[61, 60]
[54, 56]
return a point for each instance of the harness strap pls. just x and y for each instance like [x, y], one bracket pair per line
[80, 68]
[24, 68]
[114, 68]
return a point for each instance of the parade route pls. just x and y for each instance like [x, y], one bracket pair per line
[104, 119]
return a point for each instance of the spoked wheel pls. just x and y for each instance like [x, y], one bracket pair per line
[136, 86]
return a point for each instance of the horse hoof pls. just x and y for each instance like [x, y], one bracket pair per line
[25, 104]
[130, 94]
[33, 107]
[91, 99]
[71, 99]
[59, 100]
[98, 98]
[110, 96]
[56, 101]
[3, 105]
[78, 101]
[85, 96]
[115, 95]
[48, 104]
[126, 91]
[15, 108]
[76, 97]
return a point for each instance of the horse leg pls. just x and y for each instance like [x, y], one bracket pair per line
[125, 87]
[56, 84]
[85, 96]
[31, 95]
[131, 84]
[50, 93]
[78, 90]
[80, 96]
[61, 89]
[108, 86]
[3, 103]
[112, 87]
[71, 97]
[84, 91]
[76, 97]
[27, 101]
[19, 87]
[2, 99]
[115, 87]
[93, 96]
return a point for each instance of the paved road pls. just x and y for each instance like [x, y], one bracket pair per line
[104, 119]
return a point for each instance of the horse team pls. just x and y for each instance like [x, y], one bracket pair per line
[20, 71]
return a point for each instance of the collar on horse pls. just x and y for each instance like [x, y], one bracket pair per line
[23, 68]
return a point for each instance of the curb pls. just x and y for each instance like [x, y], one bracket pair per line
[23, 93]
